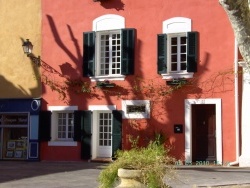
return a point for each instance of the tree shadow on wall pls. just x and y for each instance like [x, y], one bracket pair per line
[112, 4]
[9, 89]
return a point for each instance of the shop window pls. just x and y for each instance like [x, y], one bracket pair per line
[14, 136]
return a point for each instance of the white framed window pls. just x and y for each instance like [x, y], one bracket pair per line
[136, 109]
[62, 125]
[109, 49]
[177, 53]
[65, 126]
[108, 53]
[177, 49]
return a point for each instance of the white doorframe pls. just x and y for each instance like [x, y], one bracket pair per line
[188, 127]
[95, 128]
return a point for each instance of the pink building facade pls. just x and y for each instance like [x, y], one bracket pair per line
[113, 70]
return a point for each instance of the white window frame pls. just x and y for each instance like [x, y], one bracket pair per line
[54, 126]
[136, 115]
[67, 125]
[169, 61]
[108, 23]
[99, 52]
[172, 26]
[98, 115]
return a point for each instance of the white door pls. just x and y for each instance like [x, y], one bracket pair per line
[105, 134]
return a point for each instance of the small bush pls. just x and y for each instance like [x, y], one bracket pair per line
[151, 160]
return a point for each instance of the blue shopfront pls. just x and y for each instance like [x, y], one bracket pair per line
[19, 125]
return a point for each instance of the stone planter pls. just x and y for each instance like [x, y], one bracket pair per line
[129, 178]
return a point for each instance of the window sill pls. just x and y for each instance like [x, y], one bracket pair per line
[177, 75]
[136, 116]
[103, 78]
[62, 143]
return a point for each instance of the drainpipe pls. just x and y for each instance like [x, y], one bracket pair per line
[236, 95]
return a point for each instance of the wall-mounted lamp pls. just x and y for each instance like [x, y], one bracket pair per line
[27, 49]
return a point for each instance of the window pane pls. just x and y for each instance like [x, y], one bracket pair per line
[174, 41]
[183, 40]
[183, 66]
[105, 122]
[105, 142]
[174, 58]
[174, 49]
[183, 49]
[183, 57]
[174, 66]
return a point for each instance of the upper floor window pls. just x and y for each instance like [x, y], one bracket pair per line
[177, 52]
[108, 49]
[177, 49]
[109, 53]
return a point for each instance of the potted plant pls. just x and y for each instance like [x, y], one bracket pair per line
[104, 84]
[149, 166]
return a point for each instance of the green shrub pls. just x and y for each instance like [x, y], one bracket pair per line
[152, 160]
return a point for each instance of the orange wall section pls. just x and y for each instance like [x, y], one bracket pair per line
[62, 44]
[19, 78]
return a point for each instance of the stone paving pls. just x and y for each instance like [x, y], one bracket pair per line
[23, 174]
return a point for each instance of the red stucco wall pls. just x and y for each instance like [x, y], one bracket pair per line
[63, 24]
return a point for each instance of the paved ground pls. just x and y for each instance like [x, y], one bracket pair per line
[22, 174]
[211, 176]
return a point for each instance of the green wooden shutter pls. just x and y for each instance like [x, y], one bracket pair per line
[89, 54]
[78, 122]
[127, 51]
[192, 51]
[86, 135]
[44, 125]
[162, 53]
[116, 131]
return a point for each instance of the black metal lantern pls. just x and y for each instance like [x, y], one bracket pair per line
[27, 47]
